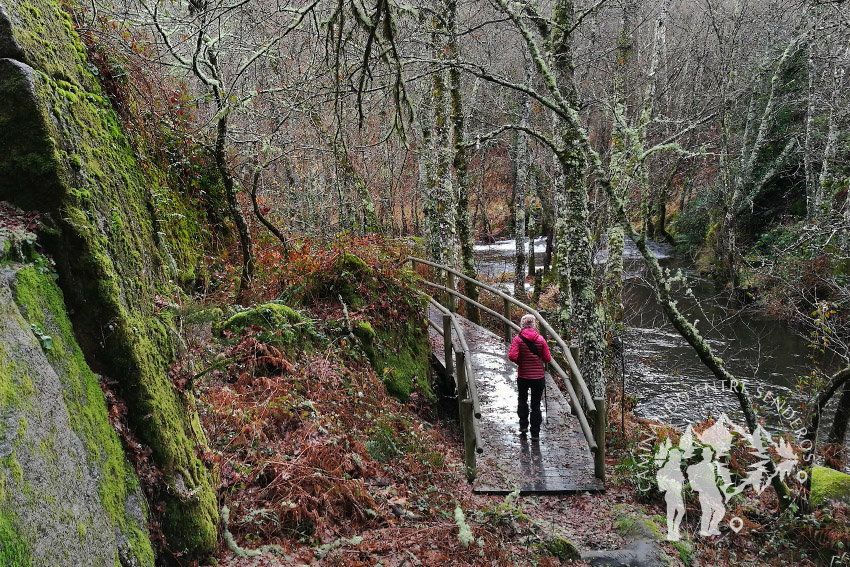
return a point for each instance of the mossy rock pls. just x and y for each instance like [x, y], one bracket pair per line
[201, 316]
[633, 523]
[14, 551]
[67, 487]
[350, 275]
[829, 485]
[401, 360]
[399, 354]
[119, 238]
[561, 548]
[282, 326]
[393, 335]
[366, 335]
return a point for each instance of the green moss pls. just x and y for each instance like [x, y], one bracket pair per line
[390, 325]
[350, 275]
[402, 357]
[201, 316]
[41, 302]
[64, 151]
[14, 551]
[364, 331]
[366, 335]
[562, 548]
[14, 386]
[11, 464]
[829, 485]
[633, 522]
[267, 316]
[282, 326]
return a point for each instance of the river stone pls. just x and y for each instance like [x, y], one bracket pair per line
[644, 538]
[54, 490]
[829, 485]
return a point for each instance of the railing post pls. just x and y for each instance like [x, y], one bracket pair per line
[468, 439]
[450, 299]
[599, 433]
[464, 406]
[461, 377]
[574, 351]
[507, 307]
[447, 344]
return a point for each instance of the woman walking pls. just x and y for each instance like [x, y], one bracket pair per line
[529, 351]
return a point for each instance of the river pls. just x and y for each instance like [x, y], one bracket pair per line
[662, 372]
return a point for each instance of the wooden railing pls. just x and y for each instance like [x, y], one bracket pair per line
[585, 407]
[458, 363]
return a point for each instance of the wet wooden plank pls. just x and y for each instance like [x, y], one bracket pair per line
[560, 462]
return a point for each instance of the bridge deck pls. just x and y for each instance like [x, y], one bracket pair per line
[560, 462]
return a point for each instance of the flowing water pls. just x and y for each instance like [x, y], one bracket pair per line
[662, 372]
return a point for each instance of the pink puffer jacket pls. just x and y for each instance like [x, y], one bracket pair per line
[529, 364]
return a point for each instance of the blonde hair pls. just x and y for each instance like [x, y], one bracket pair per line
[528, 322]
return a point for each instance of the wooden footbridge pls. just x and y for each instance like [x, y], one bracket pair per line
[570, 454]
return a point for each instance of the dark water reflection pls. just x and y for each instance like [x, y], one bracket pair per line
[663, 373]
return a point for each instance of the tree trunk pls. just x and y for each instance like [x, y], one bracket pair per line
[660, 227]
[621, 156]
[233, 204]
[439, 200]
[812, 188]
[831, 134]
[461, 167]
[533, 233]
[573, 214]
[523, 163]
[261, 217]
[838, 431]
[350, 175]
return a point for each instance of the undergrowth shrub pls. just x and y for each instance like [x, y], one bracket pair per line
[692, 225]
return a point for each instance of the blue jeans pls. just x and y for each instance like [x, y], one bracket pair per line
[536, 386]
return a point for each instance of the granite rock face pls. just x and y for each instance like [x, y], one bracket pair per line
[68, 496]
[119, 237]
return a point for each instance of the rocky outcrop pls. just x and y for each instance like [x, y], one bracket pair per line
[108, 226]
[828, 486]
[68, 496]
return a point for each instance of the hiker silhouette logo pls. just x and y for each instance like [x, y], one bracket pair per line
[701, 460]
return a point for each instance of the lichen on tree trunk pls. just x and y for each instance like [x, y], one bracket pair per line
[461, 167]
[573, 218]
[439, 207]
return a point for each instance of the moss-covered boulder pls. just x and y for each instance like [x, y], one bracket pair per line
[351, 279]
[68, 496]
[644, 537]
[561, 548]
[280, 325]
[116, 245]
[387, 317]
[829, 485]
[402, 355]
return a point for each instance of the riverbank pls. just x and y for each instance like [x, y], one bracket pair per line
[659, 365]
[318, 465]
